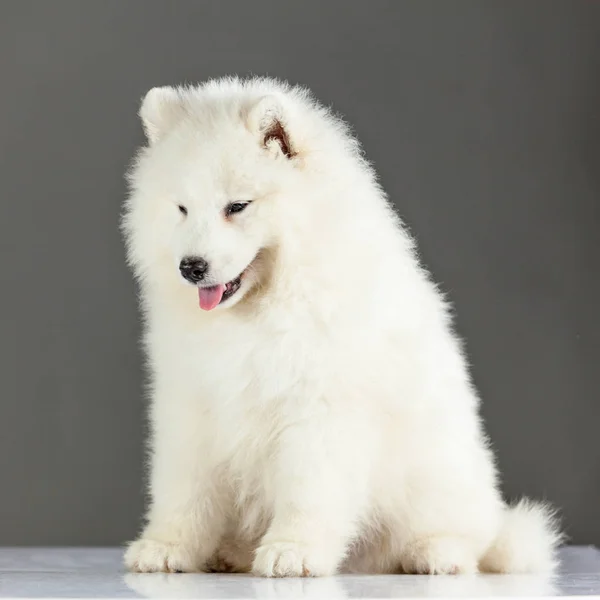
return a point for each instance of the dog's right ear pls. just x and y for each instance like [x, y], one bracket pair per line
[267, 119]
[161, 108]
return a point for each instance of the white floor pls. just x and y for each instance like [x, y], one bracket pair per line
[97, 573]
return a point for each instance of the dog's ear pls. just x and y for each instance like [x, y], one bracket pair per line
[266, 118]
[161, 108]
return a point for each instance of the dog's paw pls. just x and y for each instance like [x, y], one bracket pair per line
[288, 559]
[150, 556]
[439, 556]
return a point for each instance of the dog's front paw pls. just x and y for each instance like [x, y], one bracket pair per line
[289, 559]
[150, 556]
[439, 556]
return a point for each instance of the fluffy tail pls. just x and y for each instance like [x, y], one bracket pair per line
[527, 541]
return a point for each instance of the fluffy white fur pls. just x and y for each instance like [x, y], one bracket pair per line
[323, 418]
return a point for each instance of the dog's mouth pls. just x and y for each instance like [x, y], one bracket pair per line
[211, 297]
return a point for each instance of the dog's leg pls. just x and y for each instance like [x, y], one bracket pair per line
[318, 480]
[451, 511]
[186, 515]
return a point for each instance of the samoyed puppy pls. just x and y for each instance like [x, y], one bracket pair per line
[311, 408]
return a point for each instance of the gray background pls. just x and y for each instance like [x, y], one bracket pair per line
[482, 119]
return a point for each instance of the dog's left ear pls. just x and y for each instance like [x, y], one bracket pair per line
[266, 118]
[161, 109]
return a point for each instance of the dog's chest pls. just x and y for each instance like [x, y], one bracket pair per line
[250, 364]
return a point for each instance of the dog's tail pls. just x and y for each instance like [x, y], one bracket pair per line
[527, 542]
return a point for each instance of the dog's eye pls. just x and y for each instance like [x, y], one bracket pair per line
[235, 207]
[182, 209]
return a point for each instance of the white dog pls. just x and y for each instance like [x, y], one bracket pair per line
[311, 408]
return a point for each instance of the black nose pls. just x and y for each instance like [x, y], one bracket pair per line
[193, 268]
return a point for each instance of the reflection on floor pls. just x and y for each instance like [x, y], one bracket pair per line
[97, 572]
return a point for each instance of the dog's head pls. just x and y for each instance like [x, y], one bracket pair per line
[203, 208]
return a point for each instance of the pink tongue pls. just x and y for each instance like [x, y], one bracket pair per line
[210, 296]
